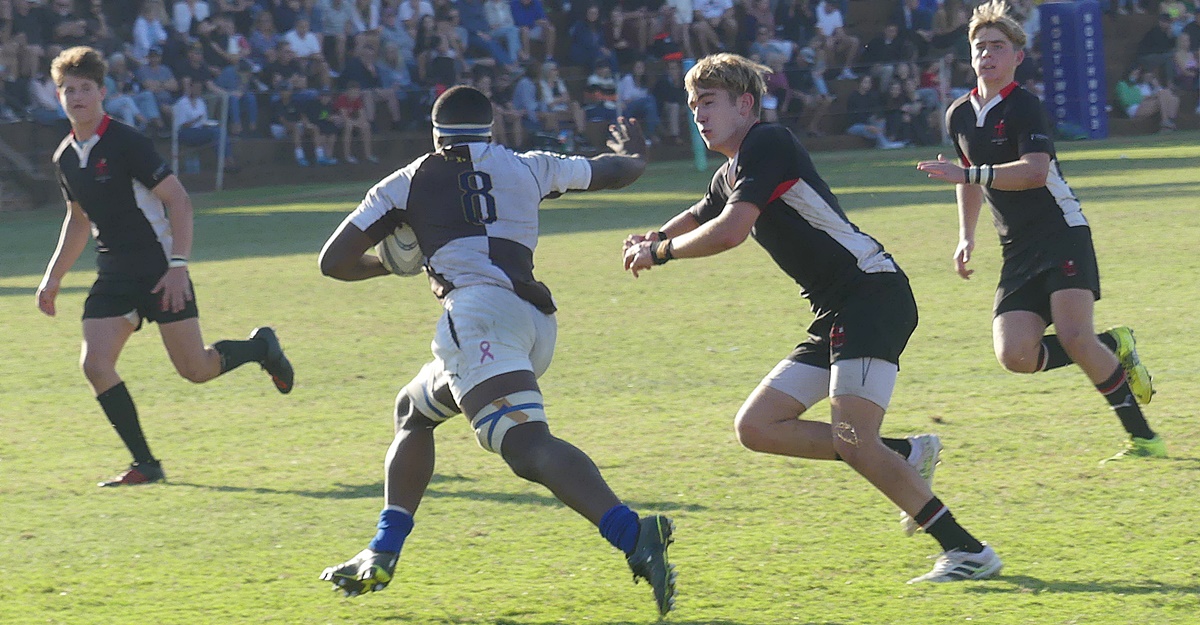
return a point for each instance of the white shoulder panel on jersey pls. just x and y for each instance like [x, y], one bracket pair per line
[389, 193]
[558, 173]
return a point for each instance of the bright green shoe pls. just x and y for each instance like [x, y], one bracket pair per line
[1140, 381]
[1141, 448]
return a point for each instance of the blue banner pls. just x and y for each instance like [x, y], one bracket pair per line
[1073, 67]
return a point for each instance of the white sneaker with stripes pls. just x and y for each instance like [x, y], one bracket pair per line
[924, 457]
[956, 566]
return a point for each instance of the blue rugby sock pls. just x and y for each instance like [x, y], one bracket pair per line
[619, 526]
[395, 524]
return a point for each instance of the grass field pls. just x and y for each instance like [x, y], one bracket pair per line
[266, 490]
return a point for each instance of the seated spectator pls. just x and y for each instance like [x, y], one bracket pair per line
[806, 87]
[950, 29]
[884, 52]
[362, 70]
[530, 19]
[30, 36]
[187, 14]
[159, 80]
[99, 33]
[840, 46]
[194, 127]
[510, 120]
[288, 121]
[1141, 96]
[600, 95]
[632, 20]
[263, 39]
[671, 96]
[237, 82]
[149, 30]
[401, 34]
[440, 68]
[340, 22]
[588, 41]
[556, 106]
[714, 24]
[351, 108]
[636, 99]
[1186, 65]
[864, 111]
[449, 26]
[1125, 6]
[1156, 49]
[284, 69]
[43, 96]
[765, 46]
[414, 10]
[473, 20]
[1181, 14]
[498, 14]
[195, 70]
[127, 101]
[924, 122]
[394, 75]
[525, 97]
[242, 12]
[795, 21]
[303, 40]
[67, 28]
[325, 125]
[675, 19]
[916, 25]
[757, 15]
[222, 46]
[285, 12]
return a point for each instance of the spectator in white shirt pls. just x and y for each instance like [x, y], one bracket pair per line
[838, 44]
[193, 125]
[304, 42]
[148, 29]
[187, 13]
[714, 24]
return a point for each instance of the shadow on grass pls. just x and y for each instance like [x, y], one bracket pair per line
[373, 490]
[1026, 584]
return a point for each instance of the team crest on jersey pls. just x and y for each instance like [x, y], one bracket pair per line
[998, 135]
[1069, 268]
[102, 174]
[837, 336]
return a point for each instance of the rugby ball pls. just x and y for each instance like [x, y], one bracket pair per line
[400, 253]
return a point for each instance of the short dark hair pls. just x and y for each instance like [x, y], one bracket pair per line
[462, 105]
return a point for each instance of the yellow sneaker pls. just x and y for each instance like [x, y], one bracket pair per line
[1140, 381]
[1141, 448]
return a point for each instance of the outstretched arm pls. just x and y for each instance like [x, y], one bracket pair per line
[1027, 172]
[627, 163]
[725, 232]
[344, 255]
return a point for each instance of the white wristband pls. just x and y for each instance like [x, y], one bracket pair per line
[176, 262]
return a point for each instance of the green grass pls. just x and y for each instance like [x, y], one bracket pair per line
[266, 490]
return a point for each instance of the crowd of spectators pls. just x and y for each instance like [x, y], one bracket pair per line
[325, 75]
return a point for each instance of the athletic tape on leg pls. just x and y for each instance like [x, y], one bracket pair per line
[494, 420]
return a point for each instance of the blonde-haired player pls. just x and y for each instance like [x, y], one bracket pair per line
[1049, 275]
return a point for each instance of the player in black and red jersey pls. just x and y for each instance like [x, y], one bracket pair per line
[117, 186]
[1049, 275]
[865, 310]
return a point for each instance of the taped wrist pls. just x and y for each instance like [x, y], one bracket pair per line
[660, 251]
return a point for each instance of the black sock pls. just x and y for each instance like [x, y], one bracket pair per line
[1054, 356]
[237, 353]
[118, 407]
[898, 445]
[936, 520]
[1116, 390]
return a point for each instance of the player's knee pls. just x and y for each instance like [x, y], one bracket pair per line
[96, 369]
[752, 433]
[494, 420]
[1017, 360]
[1075, 341]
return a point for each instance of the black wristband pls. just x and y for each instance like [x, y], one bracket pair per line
[660, 251]
[662, 236]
